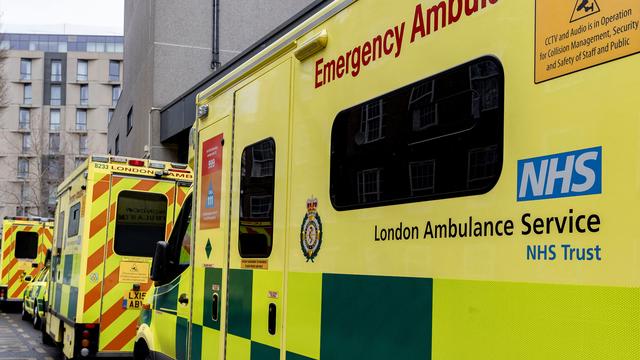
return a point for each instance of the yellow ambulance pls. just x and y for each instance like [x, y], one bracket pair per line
[110, 213]
[25, 242]
[446, 179]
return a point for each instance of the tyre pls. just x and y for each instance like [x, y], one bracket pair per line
[25, 314]
[141, 351]
[36, 317]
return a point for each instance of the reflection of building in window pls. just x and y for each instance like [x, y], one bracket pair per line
[371, 121]
[260, 206]
[263, 158]
[423, 110]
[422, 176]
[484, 83]
[369, 185]
[483, 163]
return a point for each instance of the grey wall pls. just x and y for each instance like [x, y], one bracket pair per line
[168, 50]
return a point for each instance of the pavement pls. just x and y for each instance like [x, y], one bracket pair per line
[20, 341]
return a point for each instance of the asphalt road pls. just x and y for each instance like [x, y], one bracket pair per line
[20, 341]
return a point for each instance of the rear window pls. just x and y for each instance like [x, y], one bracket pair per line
[26, 245]
[141, 220]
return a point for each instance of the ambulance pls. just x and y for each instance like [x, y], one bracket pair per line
[25, 241]
[110, 213]
[35, 296]
[445, 179]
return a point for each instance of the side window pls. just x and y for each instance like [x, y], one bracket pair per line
[183, 249]
[440, 137]
[185, 246]
[74, 220]
[26, 245]
[257, 184]
[141, 220]
[60, 232]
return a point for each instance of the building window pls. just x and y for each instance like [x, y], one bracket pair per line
[51, 200]
[79, 160]
[83, 70]
[84, 95]
[23, 167]
[117, 145]
[26, 95]
[54, 143]
[56, 70]
[114, 70]
[56, 95]
[109, 116]
[25, 69]
[115, 95]
[422, 175]
[371, 121]
[255, 237]
[454, 119]
[129, 120]
[54, 120]
[24, 192]
[55, 169]
[26, 143]
[369, 185]
[82, 144]
[81, 120]
[24, 119]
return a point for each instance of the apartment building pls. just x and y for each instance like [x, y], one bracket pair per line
[60, 92]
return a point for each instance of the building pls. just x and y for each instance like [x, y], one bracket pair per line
[170, 47]
[59, 93]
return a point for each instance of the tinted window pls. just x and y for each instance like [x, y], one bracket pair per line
[439, 137]
[257, 183]
[26, 245]
[74, 220]
[141, 219]
[60, 231]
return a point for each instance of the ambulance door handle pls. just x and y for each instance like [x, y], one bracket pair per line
[214, 305]
[183, 299]
[272, 319]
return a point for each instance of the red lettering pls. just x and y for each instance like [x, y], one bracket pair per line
[329, 71]
[366, 53]
[319, 72]
[340, 68]
[454, 18]
[377, 47]
[418, 27]
[387, 35]
[355, 61]
[435, 10]
[470, 10]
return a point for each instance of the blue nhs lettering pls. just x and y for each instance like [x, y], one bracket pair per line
[572, 173]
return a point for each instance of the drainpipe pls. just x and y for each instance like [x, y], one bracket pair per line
[147, 150]
[215, 35]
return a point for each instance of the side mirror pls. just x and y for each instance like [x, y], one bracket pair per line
[159, 265]
[28, 278]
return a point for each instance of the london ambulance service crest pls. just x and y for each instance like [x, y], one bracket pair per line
[311, 231]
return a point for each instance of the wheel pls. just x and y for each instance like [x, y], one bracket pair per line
[141, 351]
[25, 314]
[36, 317]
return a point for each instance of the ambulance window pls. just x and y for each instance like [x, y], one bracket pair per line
[60, 233]
[74, 220]
[141, 220]
[26, 245]
[440, 137]
[257, 183]
[184, 256]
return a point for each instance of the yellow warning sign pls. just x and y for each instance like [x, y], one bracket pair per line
[575, 35]
[134, 272]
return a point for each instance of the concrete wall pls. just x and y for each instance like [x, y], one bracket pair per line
[168, 50]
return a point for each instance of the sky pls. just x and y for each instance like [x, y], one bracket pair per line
[95, 17]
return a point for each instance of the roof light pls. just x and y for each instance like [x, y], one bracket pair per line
[119, 159]
[156, 165]
[134, 162]
[203, 110]
[102, 159]
[178, 166]
[312, 46]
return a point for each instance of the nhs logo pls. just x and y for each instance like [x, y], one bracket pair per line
[572, 173]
